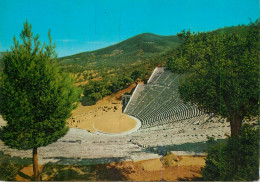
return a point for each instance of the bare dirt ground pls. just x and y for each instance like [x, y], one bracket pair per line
[184, 168]
[114, 123]
[106, 115]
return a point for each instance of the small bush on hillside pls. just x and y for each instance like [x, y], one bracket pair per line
[136, 74]
[10, 166]
[235, 160]
[91, 99]
[96, 90]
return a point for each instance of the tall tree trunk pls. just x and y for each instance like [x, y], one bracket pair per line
[235, 123]
[35, 165]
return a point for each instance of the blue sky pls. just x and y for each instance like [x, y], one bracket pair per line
[84, 25]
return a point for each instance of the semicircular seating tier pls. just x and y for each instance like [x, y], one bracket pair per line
[158, 102]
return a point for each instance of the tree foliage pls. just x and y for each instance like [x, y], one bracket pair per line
[221, 72]
[96, 90]
[136, 74]
[236, 160]
[36, 97]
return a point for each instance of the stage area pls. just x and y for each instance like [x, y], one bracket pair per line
[106, 116]
[114, 123]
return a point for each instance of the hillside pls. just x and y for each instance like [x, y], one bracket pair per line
[240, 29]
[142, 52]
[136, 52]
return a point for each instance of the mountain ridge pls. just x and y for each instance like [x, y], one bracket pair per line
[142, 35]
[138, 52]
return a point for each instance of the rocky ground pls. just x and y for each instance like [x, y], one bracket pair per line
[82, 147]
[168, 168]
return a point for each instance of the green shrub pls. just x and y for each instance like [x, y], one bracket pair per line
[235, 160]
[91, 99]
[95, 90]
[136, 74]
[10, 166]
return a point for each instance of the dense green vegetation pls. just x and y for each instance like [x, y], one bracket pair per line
[96, 90]
[235, 160]
[239, 29]
[1, 61]
[221, 72]
[36, 98]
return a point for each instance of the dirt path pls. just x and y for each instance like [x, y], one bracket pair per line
[106, 115]
[187, 168]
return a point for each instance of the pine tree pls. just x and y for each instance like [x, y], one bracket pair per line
[222, 72]
[36, 97]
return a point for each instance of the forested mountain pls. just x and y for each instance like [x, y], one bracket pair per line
[140, 46]
[137, 52]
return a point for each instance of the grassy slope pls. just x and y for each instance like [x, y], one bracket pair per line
[142, 45]
[135, 52]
